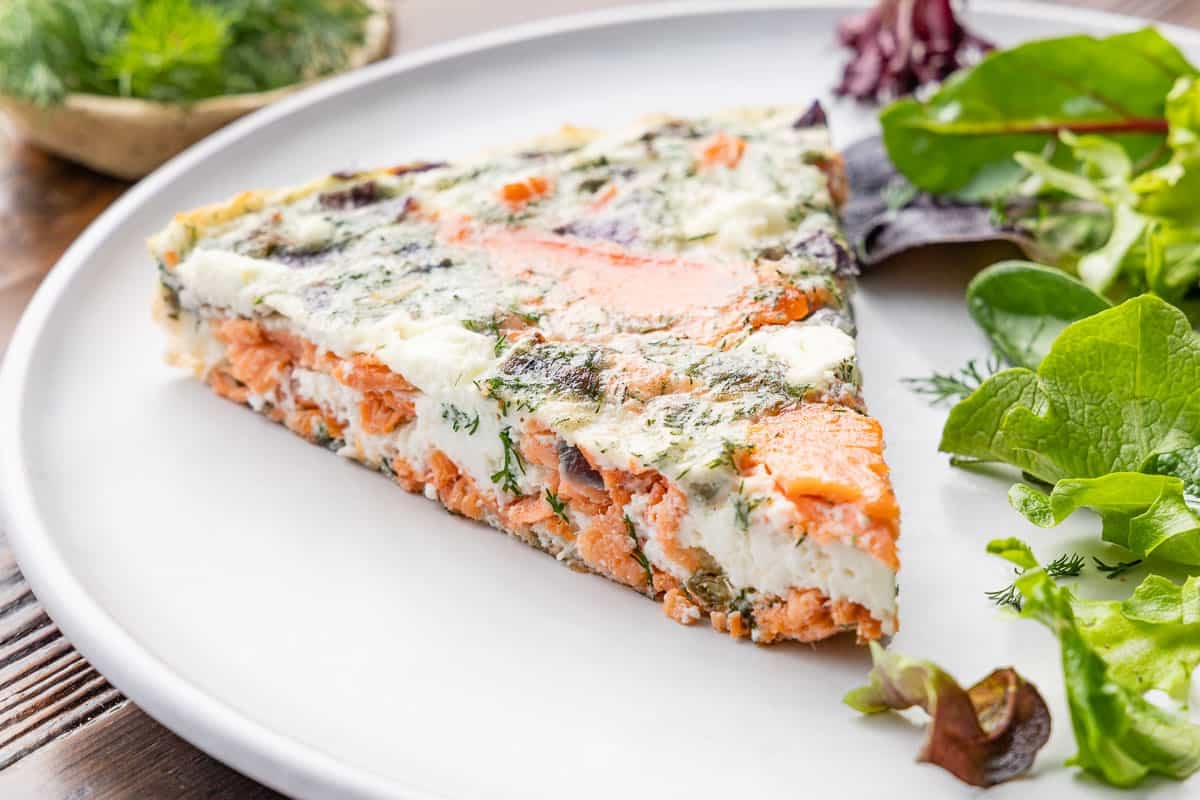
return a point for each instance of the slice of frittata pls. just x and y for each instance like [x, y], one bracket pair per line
[632, 351]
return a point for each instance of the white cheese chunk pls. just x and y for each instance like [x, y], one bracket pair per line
[734, 219]
[440, 358]
[308, 230]
[810, 352]
[222, 278]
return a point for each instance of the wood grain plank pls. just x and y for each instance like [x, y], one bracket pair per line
[123, 755]
[65, 733]
[47, 689]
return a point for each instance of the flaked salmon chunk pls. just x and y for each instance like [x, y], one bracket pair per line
[633, 351]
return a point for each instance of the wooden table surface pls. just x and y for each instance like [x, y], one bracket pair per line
[64, 731]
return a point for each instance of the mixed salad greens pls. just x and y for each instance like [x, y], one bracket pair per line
[173, 51]
[983, 735]
[1096, 172]
[902, 45]
[1113, 655]
[1092, 394]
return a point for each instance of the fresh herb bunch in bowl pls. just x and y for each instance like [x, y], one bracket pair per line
[123, 85]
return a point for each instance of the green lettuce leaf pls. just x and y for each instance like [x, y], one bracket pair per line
[980, 118]
[1102, 170]
[1112, 654]
[975, 429]
[1111, 419]
[1099, 269]
[1170, 265]
[1153, 243]
[984, 735]
[1023, 307]
[1169, 191]
[1183, 464]
[1115, 389]
[1146, 514]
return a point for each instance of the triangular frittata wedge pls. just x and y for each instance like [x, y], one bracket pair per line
[632, 351]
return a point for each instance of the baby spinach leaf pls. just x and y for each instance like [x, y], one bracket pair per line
[979, 119]
[1112, 654]
[1114, 390]
[1023, 307]
[984, 735]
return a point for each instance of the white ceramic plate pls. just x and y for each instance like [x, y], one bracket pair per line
[330, 635]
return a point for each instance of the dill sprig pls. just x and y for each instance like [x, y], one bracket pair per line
[638, 555]
[743, 506]
[1008, 596]
[729, 455]
[557, 506]
[459, 420]
[505, 477]
[492, 327]
[1113, 571]
[940, 387]
[385, 466]
[173, 51]
[1068, 565]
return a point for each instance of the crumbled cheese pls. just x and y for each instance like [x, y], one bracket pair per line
[811, 352]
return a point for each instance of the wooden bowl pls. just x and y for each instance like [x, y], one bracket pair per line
[128, 138]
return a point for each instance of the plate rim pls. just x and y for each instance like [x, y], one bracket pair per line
[272, 757]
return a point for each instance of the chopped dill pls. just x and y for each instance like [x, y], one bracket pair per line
[742, 508]
[591, 163]
[1008, 596]
[729, 455]
[1068, 565]
[557, 506]
[743, 606]
[490, 326]
[535, 372]
[637, 553]
[529, 317]
[459, 420]
[505, 477]
[492, 387]
[940, 387]
[1113, 571]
